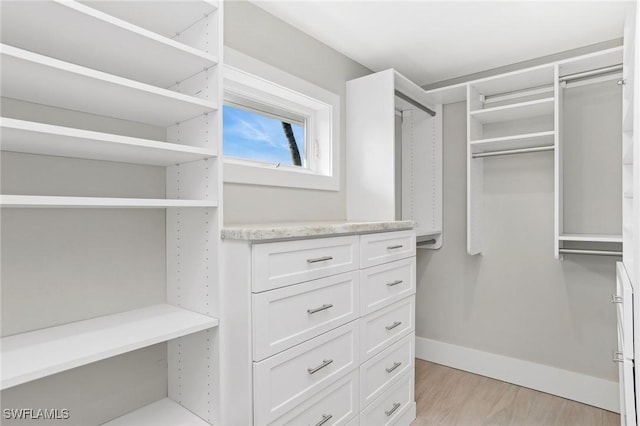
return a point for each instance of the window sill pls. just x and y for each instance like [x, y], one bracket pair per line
[244, 172]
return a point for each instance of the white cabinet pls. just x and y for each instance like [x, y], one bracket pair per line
[394, 149]
[111, 108]
[321, 330]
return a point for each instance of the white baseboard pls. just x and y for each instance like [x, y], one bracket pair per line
[589, 390]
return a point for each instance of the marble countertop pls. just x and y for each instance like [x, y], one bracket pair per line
[281, 231]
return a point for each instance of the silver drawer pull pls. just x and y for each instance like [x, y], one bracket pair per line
[616, 299]
[395, 365]
[618, 356]
[395, 247]
[325, 362]
[394, 325]
[325, 418]
[320, 259]
[321, 308]
[396, 282]
[393, 409]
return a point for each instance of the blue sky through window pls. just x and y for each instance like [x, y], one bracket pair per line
[253, 136]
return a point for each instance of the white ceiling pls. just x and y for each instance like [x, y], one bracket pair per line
[431, 41]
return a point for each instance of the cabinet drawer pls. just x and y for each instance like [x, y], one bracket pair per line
[381, 370]
[289, 262]
[384, 284]
[384, 247]
[390, 406]
[283, 381]
[388, 325]
[335, 405]
[290, 315]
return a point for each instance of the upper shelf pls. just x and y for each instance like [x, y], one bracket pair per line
[39, 79]
[45, 201]
[515, 111]
[99, 41]
[591, 238]
[517, 80]
[45, 139]
[30, 356]
[164, 17]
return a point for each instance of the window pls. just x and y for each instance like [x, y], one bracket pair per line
[261, 105]
[257, 135]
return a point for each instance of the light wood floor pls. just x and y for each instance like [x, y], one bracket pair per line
[446, 396]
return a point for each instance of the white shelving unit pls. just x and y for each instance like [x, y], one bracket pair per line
[402, 177]
[495, 106]
[81, 81]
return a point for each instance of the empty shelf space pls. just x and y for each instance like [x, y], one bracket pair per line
[38, 138]
[125, 49]
[529, 140]
[165, 412]
[166, 17]
[36, 354]
[515, 111]
[516, 81]
[40, 79]
[591, 238]
[42, 201]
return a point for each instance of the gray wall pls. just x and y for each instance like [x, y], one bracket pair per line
[256, 33]
[515, 299]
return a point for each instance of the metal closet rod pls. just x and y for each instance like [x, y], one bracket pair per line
[415, 103]
[513, 151]
[592, 252]
[591, 73]
[426, 242]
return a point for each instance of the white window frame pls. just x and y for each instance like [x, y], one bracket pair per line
[255, 81]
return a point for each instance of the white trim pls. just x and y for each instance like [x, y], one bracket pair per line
[579, 387]
[255, 80]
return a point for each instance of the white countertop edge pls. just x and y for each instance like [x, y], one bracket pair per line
[279, 231]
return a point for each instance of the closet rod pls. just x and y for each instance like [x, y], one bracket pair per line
[594, 252]
[426, 242]
[415, 103]
[513, 151]
[591, 73]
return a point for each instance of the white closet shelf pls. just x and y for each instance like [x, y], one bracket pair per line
[36, 354]
[165, 412]
[43, 201]
[167, 17]
[39, 138]
[35, 78]
[514, 111]
[125, 49]
[542, 75]
[528, 140]
[591, 238]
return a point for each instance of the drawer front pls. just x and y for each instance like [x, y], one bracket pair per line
[386, 326]
[289, 262]
[283, 381]
[623, 300]
[376, 249]
[290, 315]
[354, 422]
[385, 284]
[335, 405]
[390, 406]
[380, 371]
[627, 394]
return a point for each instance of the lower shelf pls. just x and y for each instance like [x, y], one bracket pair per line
[36, 354]
[160, 413]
